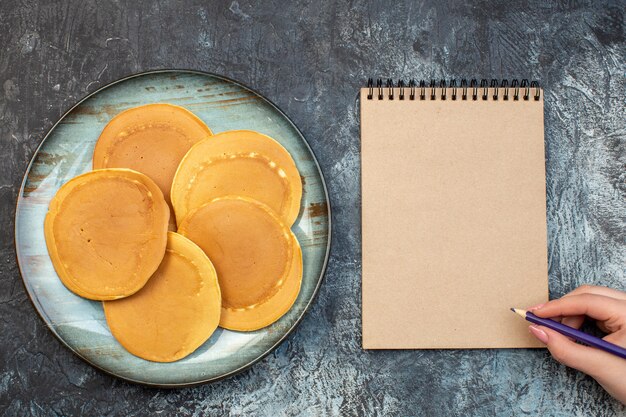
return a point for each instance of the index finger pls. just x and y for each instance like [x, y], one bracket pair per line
[596, 306]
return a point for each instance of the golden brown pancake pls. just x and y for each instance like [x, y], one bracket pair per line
[238, 162]
[106, 232]
[151, 139]
[175, 312]
[257, 258]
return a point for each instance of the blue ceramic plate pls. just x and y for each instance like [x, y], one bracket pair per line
[66, 152]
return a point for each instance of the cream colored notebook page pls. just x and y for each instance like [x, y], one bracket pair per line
[453, 215]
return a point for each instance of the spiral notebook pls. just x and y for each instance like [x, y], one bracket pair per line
[453, 213]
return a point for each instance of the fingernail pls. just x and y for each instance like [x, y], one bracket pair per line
[537, 307]
[539, 334]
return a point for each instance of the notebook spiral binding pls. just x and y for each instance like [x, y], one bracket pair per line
[497, 87]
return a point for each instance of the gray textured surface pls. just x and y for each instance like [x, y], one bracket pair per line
[310, 58]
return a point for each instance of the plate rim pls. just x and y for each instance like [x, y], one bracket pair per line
[269, 350]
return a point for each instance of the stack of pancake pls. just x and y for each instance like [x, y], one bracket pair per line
[177, 231]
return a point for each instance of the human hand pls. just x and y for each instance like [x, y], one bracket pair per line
[608, 307]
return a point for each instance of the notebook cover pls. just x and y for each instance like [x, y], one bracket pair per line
[454, 221]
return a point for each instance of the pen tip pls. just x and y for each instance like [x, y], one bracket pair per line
[512, 309]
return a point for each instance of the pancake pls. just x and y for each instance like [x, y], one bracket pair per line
[175, 312]
[106, 232]
[238, 162]
[257, 258]
[151, 139]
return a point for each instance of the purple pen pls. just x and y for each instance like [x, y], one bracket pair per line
[576, 334]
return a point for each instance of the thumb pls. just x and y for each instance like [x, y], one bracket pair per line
[569, 353]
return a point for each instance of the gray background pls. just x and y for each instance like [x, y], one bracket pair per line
[310, 58]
